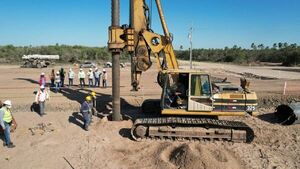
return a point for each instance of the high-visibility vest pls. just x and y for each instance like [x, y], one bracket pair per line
[7, 117]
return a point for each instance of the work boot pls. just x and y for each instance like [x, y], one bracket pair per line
[11, 145]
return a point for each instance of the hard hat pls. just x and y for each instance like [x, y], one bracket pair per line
[43, 74]
[42, 87]
[57, 72]
[88, 98]
[7, 102]
[91, 69]
[96, 68]
[80, 69]
[104, 70]
[93, 94]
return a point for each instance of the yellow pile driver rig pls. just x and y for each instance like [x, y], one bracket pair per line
[190, 103]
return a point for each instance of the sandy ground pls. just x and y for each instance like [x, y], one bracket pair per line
[63, 143]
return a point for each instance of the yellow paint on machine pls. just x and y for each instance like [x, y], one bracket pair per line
[249, 96]
[213, 113]
[235, 104]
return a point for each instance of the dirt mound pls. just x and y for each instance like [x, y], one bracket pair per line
[184, 157]
[249, 75]
[254, 76]
[195, 156]
[272, 101]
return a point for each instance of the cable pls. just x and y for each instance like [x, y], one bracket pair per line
[150, 14]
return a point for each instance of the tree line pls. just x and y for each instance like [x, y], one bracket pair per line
[72, 54]
[287, 54]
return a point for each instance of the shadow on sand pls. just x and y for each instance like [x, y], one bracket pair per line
[104, 105]
[77, 119]
[269, 117]
[125, 132]
[28, 80]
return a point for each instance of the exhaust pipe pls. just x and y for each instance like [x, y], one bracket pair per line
[288, 114]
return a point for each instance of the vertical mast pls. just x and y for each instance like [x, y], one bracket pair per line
[115, 22]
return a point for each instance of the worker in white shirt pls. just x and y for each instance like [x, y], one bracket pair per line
[104, 78]
[71, 75]
[90, 75]
[57, 82]
[81, 77]
[40, 98]
[97, 75]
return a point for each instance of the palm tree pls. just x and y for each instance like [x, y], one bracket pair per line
[280, 45]
[294, 45]
[253, 46]
[261, 46]
[235, 47]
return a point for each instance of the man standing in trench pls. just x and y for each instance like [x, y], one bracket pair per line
[85, 109]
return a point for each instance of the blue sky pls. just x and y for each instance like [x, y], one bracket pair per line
[217, 23]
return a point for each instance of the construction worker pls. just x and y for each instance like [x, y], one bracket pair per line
[81, 76]
[57, 81]
[40, 98]
[52, 77]
[104, 78]
[90, 75]
[85, 109]
[42, 79]
[71, 76]
[62, 74]
[6, 121]
[97, 75]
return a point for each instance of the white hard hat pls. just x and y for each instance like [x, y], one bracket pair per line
[42, 87]
[43, 73]
[57, 72]
[96, 68]
[91, 69]
[80, 69]
[7, 102]
[104, 70]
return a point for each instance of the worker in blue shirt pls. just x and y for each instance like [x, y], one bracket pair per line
[85, 109]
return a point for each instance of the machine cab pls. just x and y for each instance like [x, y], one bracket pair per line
[188, 91]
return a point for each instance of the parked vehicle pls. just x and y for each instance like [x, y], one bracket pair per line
[38, 61]
[109, 65]
[88, 65]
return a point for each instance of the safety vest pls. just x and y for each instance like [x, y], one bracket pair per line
[7, 117]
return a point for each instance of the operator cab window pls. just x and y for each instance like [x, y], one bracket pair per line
[175, 92]
[200, 85]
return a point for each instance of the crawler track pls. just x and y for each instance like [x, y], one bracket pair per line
[191, 129]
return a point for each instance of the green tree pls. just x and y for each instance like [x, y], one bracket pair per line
[253, 46]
